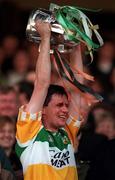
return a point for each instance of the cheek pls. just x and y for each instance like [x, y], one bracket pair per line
[12, 136]
[53, 112]
[104, 128]
[111, 130]
[13, 105]
[101, 128]
[1, 136]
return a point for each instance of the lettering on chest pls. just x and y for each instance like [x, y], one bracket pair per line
[60, 159]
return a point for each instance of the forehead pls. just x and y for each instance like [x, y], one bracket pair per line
[7, 125]
[8, 94]
[57, 98]
[107, 122]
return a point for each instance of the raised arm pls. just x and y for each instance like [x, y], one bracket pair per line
[76, 63]
[43, 70]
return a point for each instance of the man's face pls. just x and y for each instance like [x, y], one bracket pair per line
[8, 104]
[106, 128]
[7, 135]
[56, 113]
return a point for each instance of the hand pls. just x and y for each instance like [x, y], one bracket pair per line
[43, 28]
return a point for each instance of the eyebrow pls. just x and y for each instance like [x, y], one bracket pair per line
[61, 103]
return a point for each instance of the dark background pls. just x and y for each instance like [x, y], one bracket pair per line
[14, 15]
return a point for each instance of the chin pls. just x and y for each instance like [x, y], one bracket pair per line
[61, 125]
[6, 145]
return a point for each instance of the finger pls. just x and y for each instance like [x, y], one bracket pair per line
[37, 23]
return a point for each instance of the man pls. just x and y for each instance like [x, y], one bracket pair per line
[7, 141]
[7, 134]
[8, 102]
[44, 140]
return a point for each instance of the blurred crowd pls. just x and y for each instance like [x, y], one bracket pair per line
[95, 144]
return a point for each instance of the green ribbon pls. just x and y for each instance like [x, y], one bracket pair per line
[77, 26]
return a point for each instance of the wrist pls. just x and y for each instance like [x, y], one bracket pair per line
[46, 37]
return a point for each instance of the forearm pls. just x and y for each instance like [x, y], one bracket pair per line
[76, 62]
[43, 70]
[43, 66]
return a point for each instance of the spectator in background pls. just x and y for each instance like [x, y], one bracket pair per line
[8, 102]
[103, 64]
[7, 141]
[95, 113]
[20, 67]
[25, 89]
[10, 46]
[7, 134]
[106, 126]
[3, 79]
[90, 142]
[6, 171]
[111, 95]
[106, 57]
[102, 150]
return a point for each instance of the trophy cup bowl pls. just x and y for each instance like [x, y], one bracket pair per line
[58, 38]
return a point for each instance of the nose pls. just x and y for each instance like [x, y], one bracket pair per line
[65, 109]
[6, 134]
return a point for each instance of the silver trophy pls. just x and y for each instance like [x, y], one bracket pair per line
[58, 37]
[69, 27]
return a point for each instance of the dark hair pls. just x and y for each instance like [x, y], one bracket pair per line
[54, 89]
[6, 89]
[7, 120]
[107, 117]
[26, 88]
[91, 122]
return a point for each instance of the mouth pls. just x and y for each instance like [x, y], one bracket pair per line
[63, 117]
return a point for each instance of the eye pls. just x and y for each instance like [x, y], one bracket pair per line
[60, 105]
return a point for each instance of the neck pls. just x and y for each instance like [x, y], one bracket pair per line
[49, 127]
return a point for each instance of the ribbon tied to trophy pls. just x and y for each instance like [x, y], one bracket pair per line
[69, 27]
